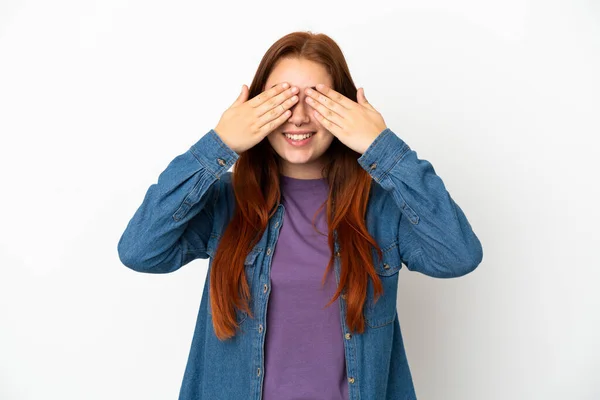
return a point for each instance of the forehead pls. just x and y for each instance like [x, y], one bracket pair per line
[298, 72]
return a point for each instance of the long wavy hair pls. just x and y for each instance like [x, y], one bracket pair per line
[256, 184]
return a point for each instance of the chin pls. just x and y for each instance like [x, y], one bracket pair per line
[298, 158]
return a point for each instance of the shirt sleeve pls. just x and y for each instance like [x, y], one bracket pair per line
[434, 235]
[173, 224]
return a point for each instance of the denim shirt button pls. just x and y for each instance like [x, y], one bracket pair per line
[386, 266]
[258, 372]
[276, 224]
[344, 296]
[221, 162]
[265, 288]
[348, 336]
[268, 251]
[260, 328]
[374, 165]
[351, 380]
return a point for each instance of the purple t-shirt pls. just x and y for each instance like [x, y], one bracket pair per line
[304, 350]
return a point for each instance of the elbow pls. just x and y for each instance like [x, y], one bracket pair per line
[461, 263]
[137, 259]
[130, 256]
[137, 264]
[465, 268]
[471, 260]
[451, 265]
[457, 270]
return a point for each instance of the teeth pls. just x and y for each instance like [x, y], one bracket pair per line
[299, 137]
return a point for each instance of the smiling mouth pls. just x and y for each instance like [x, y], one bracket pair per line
[299, 137]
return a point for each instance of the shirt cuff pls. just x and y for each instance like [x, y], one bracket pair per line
[381, 156]
[214, 154]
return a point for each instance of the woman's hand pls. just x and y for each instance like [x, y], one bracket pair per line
[355, 124]
[246, 123]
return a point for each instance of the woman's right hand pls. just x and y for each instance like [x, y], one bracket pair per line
[246, 123]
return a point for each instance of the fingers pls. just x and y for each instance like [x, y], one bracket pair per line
[272, 124]
[328, 108]
[267, 94]
[242, 97]
[278, 112]
[277, 100]
[362, 99]
[335, 96]
[329, 124]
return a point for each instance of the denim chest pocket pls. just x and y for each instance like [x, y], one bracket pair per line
[383, 312]
[249, 269]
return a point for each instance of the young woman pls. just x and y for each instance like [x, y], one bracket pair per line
[305, 237]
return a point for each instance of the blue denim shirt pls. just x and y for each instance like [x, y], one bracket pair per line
[410, 214]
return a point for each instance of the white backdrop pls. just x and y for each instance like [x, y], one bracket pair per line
[96, 97]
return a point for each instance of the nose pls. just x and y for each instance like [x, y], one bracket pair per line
[300, 112]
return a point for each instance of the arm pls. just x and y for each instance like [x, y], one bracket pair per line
[434, 235]
[173, 224]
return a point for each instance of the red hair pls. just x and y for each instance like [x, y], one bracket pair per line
[256, 184]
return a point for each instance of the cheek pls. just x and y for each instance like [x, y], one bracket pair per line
[277, 142]
[274, 135]
[326, 136]
[271, 138]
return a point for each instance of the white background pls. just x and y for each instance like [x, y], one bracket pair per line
[96, 97]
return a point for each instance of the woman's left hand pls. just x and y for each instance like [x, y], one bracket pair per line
[355, 124]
